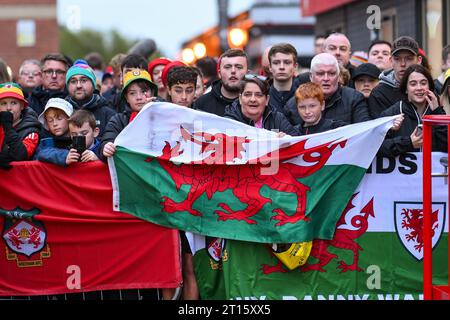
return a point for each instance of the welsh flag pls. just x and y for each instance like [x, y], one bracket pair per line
[198, 172]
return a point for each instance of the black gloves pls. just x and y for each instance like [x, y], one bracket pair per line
[6, 119]
[4, 161]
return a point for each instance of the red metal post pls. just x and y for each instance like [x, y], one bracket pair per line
[448, 202]
[427, 257]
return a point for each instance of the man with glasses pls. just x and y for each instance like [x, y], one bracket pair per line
[81, 82]
[30, 76]
[232, 67]
[54, 68]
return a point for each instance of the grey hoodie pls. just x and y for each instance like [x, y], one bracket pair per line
[387, 77]
[385, 94]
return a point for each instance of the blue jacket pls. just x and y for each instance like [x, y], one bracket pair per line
[55, 150]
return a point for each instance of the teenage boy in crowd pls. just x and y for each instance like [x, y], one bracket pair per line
[181, 84]
[19, 127]
[283, 65]
[405, 52]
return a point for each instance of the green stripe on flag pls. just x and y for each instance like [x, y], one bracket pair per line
[388, 272]
[146, 182]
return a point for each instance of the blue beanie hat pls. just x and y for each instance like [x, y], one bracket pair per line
[81, 67]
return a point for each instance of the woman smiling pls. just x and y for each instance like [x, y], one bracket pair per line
[418, 85]
[253, 107]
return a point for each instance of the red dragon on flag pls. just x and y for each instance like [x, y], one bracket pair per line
[245, 181]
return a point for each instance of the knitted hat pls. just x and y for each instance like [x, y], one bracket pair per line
[81, 67]
[138, 74]
[168, 67]
[157, 62]
[56, 103]
[12, 90]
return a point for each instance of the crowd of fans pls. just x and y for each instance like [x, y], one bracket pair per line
[63, 112]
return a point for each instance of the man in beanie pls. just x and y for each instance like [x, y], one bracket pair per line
[54, 68]
[81, 81]
[405, 52]
[155, 68]
[19, 126]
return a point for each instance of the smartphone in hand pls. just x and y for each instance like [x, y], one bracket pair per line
[79, 143]
[419, 129]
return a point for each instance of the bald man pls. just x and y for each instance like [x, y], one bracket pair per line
[339, 46]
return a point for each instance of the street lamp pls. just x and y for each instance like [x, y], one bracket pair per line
[237, 38]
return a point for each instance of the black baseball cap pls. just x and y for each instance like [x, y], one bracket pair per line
[405, 43]
[366, 69]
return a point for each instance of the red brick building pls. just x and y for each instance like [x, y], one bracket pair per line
[29, 30]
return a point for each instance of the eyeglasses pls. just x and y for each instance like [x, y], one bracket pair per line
[50, 72]
[32, 74]
[250, 76]
[74, 82]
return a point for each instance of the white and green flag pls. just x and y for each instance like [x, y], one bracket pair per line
[198, 172]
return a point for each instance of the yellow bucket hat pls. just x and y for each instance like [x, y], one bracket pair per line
[138, 74]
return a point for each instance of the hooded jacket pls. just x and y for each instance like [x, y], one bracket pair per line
[398, 142]
[272, 120]
[40, 96]
[213, 101]
[385, 94]
[346, 104]
[100, 107]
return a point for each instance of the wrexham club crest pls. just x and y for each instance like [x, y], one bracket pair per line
[408, 224]
[24, 236]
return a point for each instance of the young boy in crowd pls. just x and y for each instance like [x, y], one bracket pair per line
[56, 147]
[181, 83]
[138, 90]
[82, 124]
[310, 104]
[19, 127]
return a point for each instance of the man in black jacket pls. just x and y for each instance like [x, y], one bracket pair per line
[282, 65]
[405, 52]
[81, 83]
[54, 68]
[232, 65]
[341, 103]
[339, 46]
